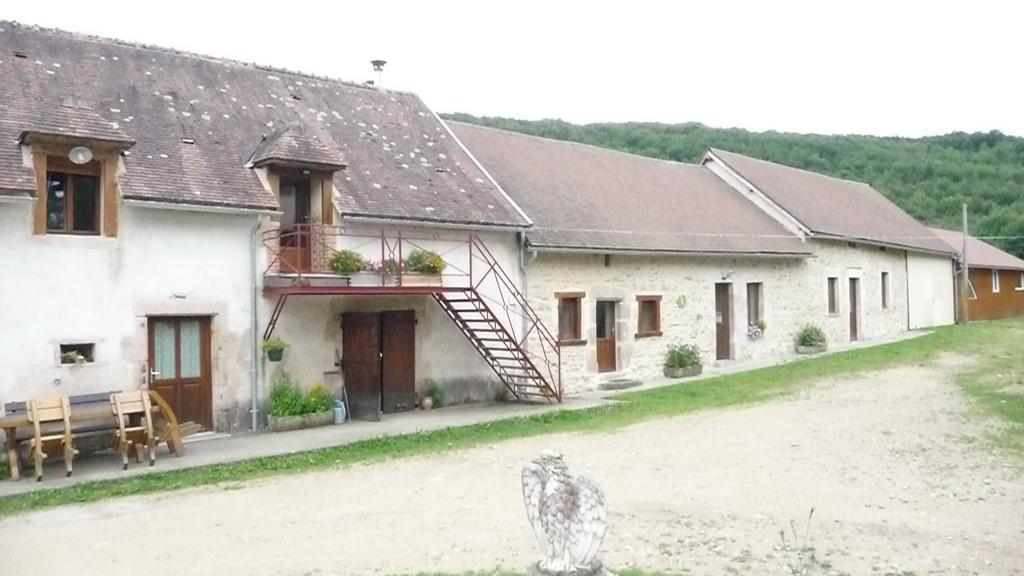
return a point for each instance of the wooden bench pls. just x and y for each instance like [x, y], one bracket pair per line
[92, 416]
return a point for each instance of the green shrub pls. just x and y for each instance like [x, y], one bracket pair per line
[346, 262]
[424, 261]
[319, 400]
[274, 344]
[810, 335]
[436, 393]
[683, 356]
[286, 397]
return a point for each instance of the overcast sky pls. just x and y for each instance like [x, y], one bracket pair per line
[887, 68]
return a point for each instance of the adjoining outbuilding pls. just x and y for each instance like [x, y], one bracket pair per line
[995, 277]
[630, 255]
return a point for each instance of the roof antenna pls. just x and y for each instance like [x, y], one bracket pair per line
[378, 67]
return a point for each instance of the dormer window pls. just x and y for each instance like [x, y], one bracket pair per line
[72, 199]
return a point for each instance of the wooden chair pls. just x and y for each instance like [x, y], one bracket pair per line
[134, 415]
[47, 412]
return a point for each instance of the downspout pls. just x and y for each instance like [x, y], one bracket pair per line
[254, 367]
[526, 257]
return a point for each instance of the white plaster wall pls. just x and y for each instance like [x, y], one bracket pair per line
[931, 290]
[59, 289]
[794, 294]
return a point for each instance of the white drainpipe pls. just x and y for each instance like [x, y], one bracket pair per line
[254, 369]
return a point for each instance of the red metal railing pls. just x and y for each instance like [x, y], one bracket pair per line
[303, 252]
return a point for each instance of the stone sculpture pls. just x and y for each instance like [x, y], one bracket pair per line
[568, 517]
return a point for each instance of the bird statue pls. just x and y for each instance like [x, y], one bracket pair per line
[568, 517]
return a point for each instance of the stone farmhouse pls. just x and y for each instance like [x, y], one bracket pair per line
[631, 254]
[167, 212]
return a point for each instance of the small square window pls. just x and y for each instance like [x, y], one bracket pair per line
[648, 316]
[570, 305]
[995, 281]
[833, 295]
[77, 353]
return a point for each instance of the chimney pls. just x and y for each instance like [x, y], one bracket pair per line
[378, 67]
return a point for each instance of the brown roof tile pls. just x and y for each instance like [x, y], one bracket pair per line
[580, 196]
[980, 254]
[833, 206]
[198, 120]
[292, 144]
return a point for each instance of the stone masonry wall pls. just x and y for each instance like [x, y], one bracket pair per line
[794, 293]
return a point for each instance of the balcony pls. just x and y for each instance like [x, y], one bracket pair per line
[299, 261]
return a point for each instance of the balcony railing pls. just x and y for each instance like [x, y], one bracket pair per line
[301, 255]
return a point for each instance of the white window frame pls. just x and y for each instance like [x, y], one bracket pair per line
[995, 281]
[1020, 283]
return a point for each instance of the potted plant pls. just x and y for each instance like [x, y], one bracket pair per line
[433, 395]
[274, 348]
[810, 340]
[683, 360]
[290, 409]
[346, 262]
[423, 268]
[755, 330]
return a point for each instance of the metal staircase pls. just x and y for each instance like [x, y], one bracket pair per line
[529, 364]
[474, 291]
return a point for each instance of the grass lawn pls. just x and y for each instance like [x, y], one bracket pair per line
[997, 344]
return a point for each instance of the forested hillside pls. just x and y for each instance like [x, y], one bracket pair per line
[928, 177]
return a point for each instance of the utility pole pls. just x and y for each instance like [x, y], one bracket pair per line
[965, 281]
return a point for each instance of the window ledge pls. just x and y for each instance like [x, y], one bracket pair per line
[647, 334]
[576, 342]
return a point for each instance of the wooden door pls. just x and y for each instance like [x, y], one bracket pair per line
[361, 362]
[296, 254]
[398, 371]
[180, 367]
[605, 336]
[854, 308]
[723, 321]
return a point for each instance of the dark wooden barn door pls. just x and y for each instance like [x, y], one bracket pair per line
[398, 377]
[180, 367]
[723, 321]
[361, 364]
[605, 336]
[854, 308]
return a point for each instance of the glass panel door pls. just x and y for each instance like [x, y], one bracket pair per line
[190, 349]
[164, 350]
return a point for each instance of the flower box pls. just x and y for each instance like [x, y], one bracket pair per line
[287, 423]
[811, 349]
[683, 372]
[365, 279]
[420, 279]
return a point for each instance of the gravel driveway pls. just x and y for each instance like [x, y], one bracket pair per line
[893, 462]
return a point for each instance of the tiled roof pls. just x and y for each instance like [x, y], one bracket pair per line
[833, 206]
[197, 121]
[584, 197]
[292, 144]
[980, 254]
[69, 119]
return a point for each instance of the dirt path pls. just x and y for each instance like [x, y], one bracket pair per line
[892, 462]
